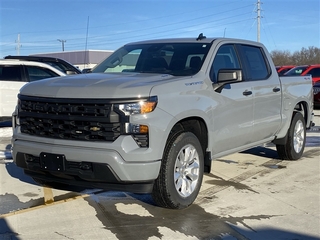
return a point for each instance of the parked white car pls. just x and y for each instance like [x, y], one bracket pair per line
[16, 73]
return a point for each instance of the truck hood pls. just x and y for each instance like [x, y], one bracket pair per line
[96, 85]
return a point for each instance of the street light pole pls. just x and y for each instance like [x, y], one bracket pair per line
[62, 41]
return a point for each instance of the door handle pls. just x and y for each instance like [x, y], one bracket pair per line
[247, 93]
[276, 89]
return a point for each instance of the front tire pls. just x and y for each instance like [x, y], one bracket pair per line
[181, 173]
[296, 139]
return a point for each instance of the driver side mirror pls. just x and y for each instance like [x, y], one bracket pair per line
[70, 72]
[229, 75]
[86, 70]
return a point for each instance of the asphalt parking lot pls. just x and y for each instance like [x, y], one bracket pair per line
[248, 195]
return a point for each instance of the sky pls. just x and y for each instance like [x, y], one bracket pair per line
[43, 26]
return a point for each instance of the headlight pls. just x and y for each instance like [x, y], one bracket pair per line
[129, 108]
[141, 107]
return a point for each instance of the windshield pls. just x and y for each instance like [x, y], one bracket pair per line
[297, 71]
[179, 59]
[63, 67]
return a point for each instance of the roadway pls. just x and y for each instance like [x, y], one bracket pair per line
[248, 195]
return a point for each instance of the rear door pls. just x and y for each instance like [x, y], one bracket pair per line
[266, 93]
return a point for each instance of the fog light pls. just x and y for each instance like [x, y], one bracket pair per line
[85, 166]
[29, 158]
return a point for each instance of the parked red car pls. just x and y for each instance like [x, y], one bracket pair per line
[314, 70]
[283, 69]
[316, 96]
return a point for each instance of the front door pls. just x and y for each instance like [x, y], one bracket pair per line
[233, 112]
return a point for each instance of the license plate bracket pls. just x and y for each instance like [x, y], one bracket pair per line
[52, 162]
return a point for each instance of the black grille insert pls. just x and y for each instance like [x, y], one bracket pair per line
[75, 119]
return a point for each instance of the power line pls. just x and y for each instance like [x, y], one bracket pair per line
[196, 22]
[156, 27]
[184, 13]
[159, 26]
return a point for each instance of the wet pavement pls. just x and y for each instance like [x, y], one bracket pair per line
[248, 195]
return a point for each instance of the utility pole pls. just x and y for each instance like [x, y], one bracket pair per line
[62, 41]
[18, 45]
[85, 49]
[258, 20]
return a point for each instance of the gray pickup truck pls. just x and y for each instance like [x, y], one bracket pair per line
[152, 116]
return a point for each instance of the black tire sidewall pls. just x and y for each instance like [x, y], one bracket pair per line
[175, 147]
[290, 144]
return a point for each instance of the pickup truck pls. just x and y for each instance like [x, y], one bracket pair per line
[151, 117]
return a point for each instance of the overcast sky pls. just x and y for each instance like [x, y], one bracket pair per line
[108, 24]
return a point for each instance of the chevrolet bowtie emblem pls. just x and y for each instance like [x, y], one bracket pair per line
[94, 129]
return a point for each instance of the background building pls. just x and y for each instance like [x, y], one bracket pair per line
[80, 59]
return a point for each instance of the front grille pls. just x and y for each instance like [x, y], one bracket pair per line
[70, 119]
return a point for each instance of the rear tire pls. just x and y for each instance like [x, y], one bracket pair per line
[181, 173]
[296, 139]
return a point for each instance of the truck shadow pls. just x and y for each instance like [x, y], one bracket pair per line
[6, 232]
[18, 173]
[130, 216]
[262, 152]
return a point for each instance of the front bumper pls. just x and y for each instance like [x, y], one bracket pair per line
[86, 166]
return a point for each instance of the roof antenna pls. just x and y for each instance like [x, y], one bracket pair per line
[200, 37]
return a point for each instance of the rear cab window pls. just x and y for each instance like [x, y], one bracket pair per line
[257, 66]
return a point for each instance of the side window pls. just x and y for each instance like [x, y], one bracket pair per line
[256, 63]
[315, 72]
[10, 73]
[37, 73]
[226, 58]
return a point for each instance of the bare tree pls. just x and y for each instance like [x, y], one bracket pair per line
[281, 58]
[305, 56]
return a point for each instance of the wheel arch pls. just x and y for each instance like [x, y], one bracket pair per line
[304, 109]
[301, 107]
[198, 127]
